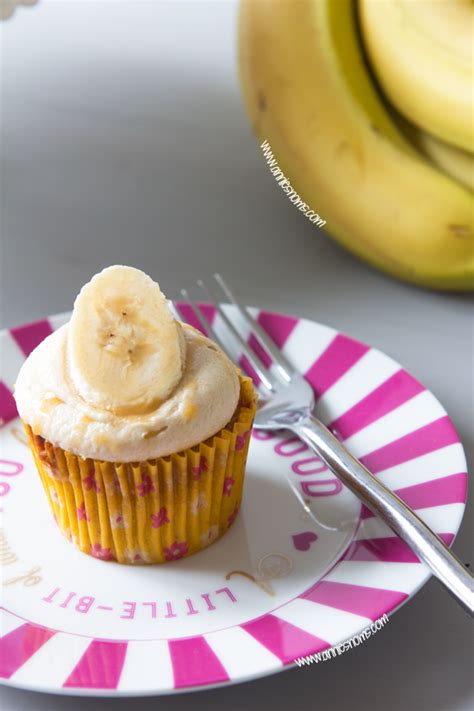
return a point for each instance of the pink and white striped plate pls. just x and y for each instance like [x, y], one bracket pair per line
[277, 587]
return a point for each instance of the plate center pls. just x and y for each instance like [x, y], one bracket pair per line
[274, 552]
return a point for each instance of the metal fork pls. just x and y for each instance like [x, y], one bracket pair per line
[288, 403]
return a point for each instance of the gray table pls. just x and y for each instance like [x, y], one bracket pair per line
[124, 140]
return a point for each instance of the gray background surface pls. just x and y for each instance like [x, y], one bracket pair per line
[124, 140]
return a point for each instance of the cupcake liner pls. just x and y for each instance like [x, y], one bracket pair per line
[152, 511]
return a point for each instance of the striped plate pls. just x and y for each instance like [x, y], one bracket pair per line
[280, 585]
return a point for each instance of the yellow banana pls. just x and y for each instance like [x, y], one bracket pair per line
[309, 94]
[422, 54]
[453, 161]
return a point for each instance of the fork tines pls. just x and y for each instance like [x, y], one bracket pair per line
[280, 370]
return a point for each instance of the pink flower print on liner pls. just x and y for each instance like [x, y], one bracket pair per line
[82, 513]
[232, 515]
[118, 522]
[52, 472]
[210, 535]
[102, 553]
[202, 468]
[133, 556]
[199, 503]
[160, 518]
[55, 496]
[114, 484]
[146, 486]
[90, 481]
[241, 440]
[176, 550]
[228, 485]
[220, 460]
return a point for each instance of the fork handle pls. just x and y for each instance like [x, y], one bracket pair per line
[390, 508]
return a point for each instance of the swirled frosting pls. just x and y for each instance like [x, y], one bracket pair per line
[202, 403]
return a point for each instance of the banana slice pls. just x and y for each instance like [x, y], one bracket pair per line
[125, 351]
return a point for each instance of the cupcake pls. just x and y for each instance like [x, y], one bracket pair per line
[139, 425]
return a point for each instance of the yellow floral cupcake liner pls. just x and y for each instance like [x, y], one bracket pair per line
[152, 511]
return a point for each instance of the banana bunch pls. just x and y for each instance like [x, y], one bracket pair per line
[397, 198]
